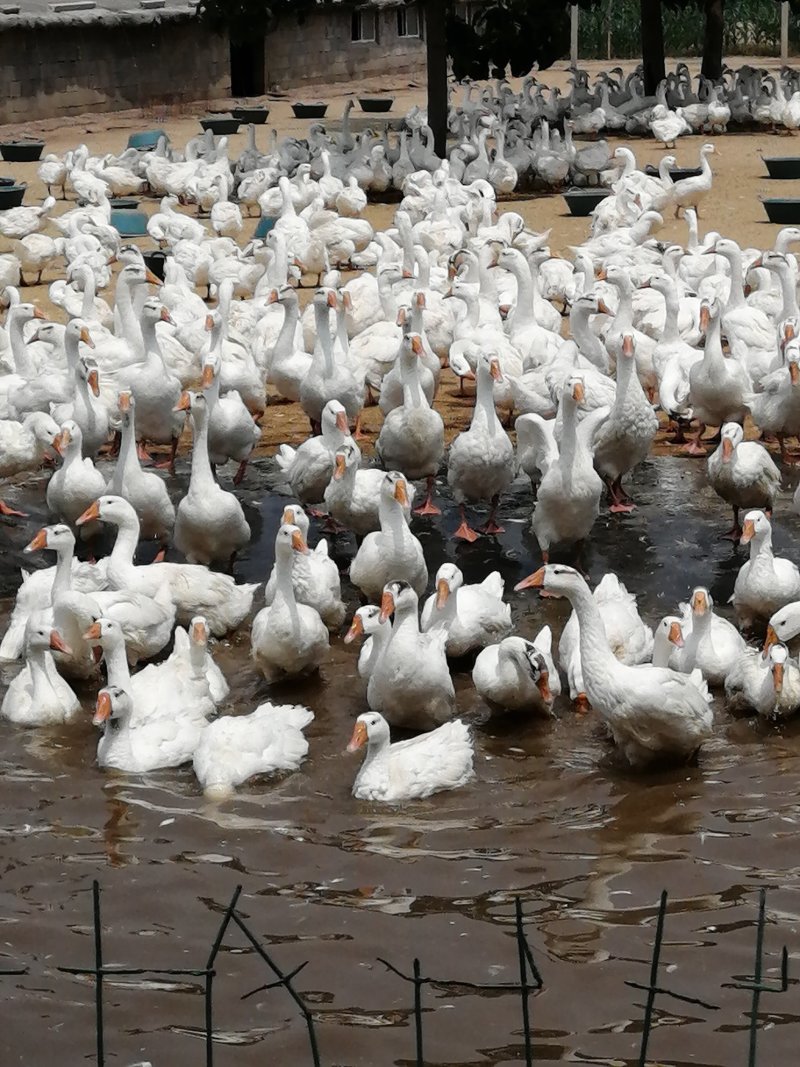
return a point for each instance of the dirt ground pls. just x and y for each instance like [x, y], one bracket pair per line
[733, 207]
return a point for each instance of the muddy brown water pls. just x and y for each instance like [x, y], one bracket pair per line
[551, 817]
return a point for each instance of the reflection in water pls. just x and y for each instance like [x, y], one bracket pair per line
[552, 818]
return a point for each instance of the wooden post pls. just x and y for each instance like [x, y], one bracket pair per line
[573, 43]
[436, 41]
[785, 31]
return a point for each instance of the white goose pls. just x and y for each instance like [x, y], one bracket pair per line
[518, 675]
[765, 582]
[38, 695]
[472, 616]
[392, 552]
[315, 576]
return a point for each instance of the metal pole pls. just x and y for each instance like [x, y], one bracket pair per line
[523, 985]
[785, 31]
[418, 1013]
[573, 45]
[98, 972]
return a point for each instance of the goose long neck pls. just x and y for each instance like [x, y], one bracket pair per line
[484, 413]
[291, 315]
[736, 297]
[127, 459]
[129, 323]
[62, 583]
[201, 479]
[22, 360]
[117, 670]
[671, 309]
[589, 345]
[89, 291]
[788, 293]
[596, 655]
[41, 685]
[323, 353]
[126, 542]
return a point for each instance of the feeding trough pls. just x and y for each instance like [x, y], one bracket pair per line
[124, 203]
[129, 223]
[583, 201]
[257, 115]
[156, 261]
[783, 166]
[785, 211]
[146, 140]
[220, 124]
[676, 173]
[376, 104]
[314, 110]
[21, 151]
[11, 195]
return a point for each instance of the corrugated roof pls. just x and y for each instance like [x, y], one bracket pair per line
[88, 12]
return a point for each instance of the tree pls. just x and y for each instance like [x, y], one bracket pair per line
[713, 40]
[652, 36]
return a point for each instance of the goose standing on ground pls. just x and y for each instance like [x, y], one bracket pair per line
[287, 639]
[209, 523]
[765, 582]
[472, 616]
[743, 474]
[315, 576]
[653, 713]
[412, 769]
[480, 464]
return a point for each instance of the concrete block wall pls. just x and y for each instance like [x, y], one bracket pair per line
[321, 50]
[68, 70]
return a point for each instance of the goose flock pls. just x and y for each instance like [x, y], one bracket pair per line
[587, 359]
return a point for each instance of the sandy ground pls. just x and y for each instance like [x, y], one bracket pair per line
[733, 208]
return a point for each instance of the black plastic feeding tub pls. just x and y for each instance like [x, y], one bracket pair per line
[584, 201]
[309, 111]
[11, 195]
[783, 166]
[376, 104]
[257, 115]
[220, 124]
[786, 212]
[21, 151]
[676, 173]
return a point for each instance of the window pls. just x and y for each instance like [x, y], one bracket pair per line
[363, 26]
[408, 21]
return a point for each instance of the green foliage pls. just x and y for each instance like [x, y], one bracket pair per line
[247, 20]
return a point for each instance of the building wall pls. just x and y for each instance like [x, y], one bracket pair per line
[67, 70]
[321, 50]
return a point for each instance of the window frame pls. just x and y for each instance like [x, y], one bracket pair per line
[358, 20]
[403, 13]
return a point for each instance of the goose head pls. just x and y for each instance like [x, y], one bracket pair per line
[783, 625]
[294, 515]
[366, 621]
[43, 427]
[289, 540]
[198, 631]
[39, 638]
[448, 580]
[555, 578]
[57, 538]
[670, 631]
[777, 657]
[70, 439]
[732, 436]
[370, 729]
[702, 603]
[346, 457]
[398, 597]
[756, 527]
[105, 632]
[394, 489]
[113, 702]
[113, 509]
[334, 416]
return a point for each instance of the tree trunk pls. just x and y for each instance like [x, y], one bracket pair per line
[652, 45]
[436, 41]
[712, 40]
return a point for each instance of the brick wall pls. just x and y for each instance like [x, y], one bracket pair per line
[68, 70]
[321, 50]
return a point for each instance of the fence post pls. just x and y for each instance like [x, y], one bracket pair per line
[98, 967]
[573, 40]
[784, 31]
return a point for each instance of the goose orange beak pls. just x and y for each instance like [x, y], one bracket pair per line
[356, 630]
[347, 301]
[543, 685]
[401, 317]
[199, 633]
[699, 603]
[442, 593]
[416, 345]
[794, 372]
[788, 332]
[57, 643]
[38, 543]
[91, 513]
[387, 606]
[408, 274]
[331, 300]
[39, 314]
[676, 635]
[298, 543]
[94, 382]
[578, 393]
[124, 401]
[603, 308]
[533, 581]
[341, 423]
[727, 448]
[58, 442]
[494, 370]
[152, 278]
[400, 494]
[86, 337]
[705, 317]
[207, 379]
[210, 321]
[339, 467]
[748, 531]
[627, 346]
[770, 640]
[273, 298]
[93, 633]
[185, 402]
[359, 738]
[421, 302]
[102, 711]
[777, 676]
[288, 517]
